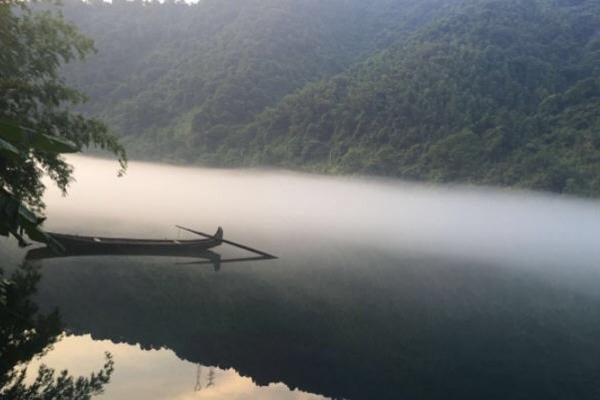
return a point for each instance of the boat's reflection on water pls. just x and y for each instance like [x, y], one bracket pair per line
[351, 324]
[204, 257]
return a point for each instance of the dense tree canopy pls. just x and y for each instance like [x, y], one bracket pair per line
[176, 79]
[485, 91]
[499, 92]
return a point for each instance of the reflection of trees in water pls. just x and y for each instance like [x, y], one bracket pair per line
[25, 334]
[210, 380]
[198, 386]
[391, 331]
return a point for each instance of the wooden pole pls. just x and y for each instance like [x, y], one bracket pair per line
[241, 246]
[227, 260]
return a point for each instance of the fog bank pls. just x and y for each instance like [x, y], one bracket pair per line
[294, 212]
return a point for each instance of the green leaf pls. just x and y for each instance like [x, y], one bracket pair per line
[8, 150]
[3, 228]
[4, 284]
[29, 216]
[11, 132]
[19, 136]
[54, 144]
[16, 218]
[10, 211]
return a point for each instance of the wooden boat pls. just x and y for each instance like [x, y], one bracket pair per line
[75, 245]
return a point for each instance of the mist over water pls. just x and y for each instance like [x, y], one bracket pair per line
[295, 212]
[382, 288]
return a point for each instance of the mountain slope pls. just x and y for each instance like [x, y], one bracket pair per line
[502, 92]
[173, 78]
[497, 92]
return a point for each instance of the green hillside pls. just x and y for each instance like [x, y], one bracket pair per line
[173, 78]
[500, 92]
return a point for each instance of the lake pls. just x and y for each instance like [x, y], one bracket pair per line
[382, 289]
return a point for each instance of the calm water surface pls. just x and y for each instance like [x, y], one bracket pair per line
[382, 289]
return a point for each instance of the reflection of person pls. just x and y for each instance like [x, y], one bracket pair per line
[216, 261]
[198, 386]
[25, 334]
[211, 378]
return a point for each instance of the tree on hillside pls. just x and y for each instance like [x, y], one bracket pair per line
[37, 123]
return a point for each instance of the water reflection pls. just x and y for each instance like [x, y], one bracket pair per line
[26, 334]
[415, 328]
[160, 374]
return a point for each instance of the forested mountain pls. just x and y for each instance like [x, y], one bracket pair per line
[488, 91]
[175, 78]
[503, 92]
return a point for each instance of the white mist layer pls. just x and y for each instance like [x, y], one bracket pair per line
[295, 212]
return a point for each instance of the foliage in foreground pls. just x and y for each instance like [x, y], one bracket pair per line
[37, 123]
[15, 217]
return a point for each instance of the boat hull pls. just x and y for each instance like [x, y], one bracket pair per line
[74, 245]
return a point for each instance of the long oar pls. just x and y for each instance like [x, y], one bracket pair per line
[226, 260]
[241, 246]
